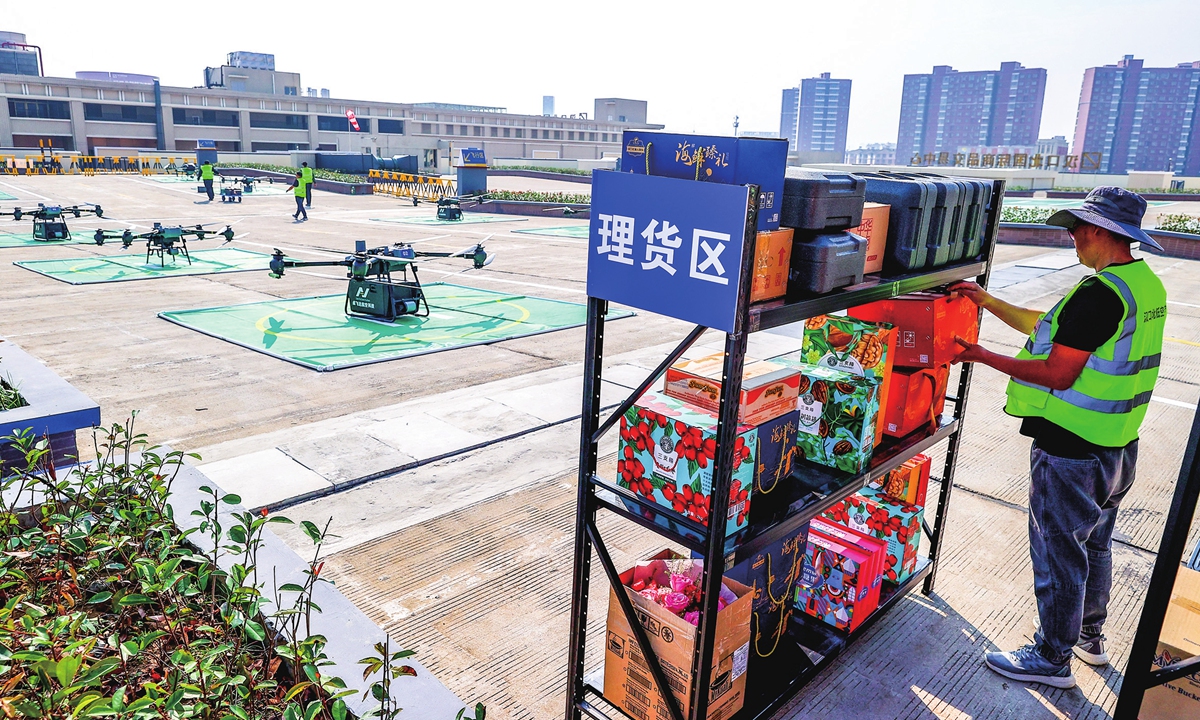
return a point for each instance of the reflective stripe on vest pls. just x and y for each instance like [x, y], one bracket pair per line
[1107, 402]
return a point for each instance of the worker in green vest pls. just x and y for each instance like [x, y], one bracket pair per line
[307, 173]
[298, 187]
[206, 174]
[1080, 386]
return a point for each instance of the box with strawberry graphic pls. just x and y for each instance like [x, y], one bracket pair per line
[666, 455]
[894, 521]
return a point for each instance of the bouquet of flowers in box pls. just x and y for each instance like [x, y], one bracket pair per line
[675, 585]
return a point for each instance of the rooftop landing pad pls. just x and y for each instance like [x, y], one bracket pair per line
[120, 268]
[567, 231]
[468, 219]
[11, 239]
[315, 332]
[6, 196]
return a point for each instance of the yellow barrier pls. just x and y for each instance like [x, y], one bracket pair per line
[43, 165]
[422, 187]
[8, 165]
[132, 165]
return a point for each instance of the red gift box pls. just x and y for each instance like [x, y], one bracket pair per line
[916, 399]
[926, 324]
[908, 483]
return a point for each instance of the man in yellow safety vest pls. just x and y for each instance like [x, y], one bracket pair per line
[306, 173]
[206, 175]
[298, 187]
[1081, 385]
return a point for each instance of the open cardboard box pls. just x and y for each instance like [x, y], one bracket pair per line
[628, 683]
[1180, 640]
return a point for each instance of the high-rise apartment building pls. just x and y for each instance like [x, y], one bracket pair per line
[814, 116]
[1133, 117]
[946, 109]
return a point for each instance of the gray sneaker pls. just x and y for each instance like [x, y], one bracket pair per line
[1091, 651]
[1027, 665]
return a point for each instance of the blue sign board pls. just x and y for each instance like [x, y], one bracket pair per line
[472, 157]
[672, 247]
[206, 144]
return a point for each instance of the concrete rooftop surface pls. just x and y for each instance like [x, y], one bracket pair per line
[450, 476]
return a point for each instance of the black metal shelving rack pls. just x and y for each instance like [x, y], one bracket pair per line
[1140, 675]
[810, 645]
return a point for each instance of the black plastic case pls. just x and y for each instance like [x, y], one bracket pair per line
[825, 200]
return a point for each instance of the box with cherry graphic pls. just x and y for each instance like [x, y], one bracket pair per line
[897, 523]
[666, 455]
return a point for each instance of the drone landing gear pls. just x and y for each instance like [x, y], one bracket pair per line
[168, 249]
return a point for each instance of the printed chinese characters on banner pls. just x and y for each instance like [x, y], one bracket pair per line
[669, 246]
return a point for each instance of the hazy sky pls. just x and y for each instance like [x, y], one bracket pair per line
[698, 64]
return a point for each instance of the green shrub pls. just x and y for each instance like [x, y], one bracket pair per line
[1179, 223]
[544, 197]
[1029, 215]
[560, 171]
[10, 397]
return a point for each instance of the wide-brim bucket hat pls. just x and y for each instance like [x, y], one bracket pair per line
[1113, 208]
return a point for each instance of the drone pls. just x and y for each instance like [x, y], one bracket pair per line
[373, 294]
[49, 221]
[188, 169]
[238, 185]
[163, 241]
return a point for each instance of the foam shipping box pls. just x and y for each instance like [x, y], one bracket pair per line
[772, 573]
[908, 483]
[768, 389]
[874, 228]
[775, 458]
[899, 524]
[712, 158]
[772, 258]
[834, 586]
[926, 324]
[1180, 640]
[837, 417]
[627, 680]
[849, 344]
[666, 456]
[916, 399]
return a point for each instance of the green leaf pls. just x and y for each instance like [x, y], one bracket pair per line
[339, 711]
[67, 668]
[255, 631]
[296, 689]
[232, 499]
[291, 587]
[133, 599]
[311, 711]
[292, 713]
[403, 654]
[100, 597]
[313, 532]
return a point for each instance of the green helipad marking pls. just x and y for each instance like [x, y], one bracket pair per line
[1060, 203]
[567, 231]
[468, 219]
[171, 179]
[25, 239]
[118, 268]
[315, 332]
[6, 196]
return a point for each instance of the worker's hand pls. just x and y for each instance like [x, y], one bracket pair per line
[970, 352]
[973, 292]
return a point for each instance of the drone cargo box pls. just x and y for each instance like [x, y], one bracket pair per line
[940, 241]
[1180, 640]
[908, 219]
[824, 262]
[926, 324]
[712, 158]
[768, 390]
[824, 200]
[628, 683]
[916, 399]
[772, 257]
[874, 227]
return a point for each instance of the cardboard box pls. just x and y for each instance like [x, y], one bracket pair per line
[874, 228]
[837, 417]
[849, 344]
[712, 158]
[926, 324]
[908, 483]
[773, 465]
[899, 524]
[1180, 640]
[772, 574]
[916, 399]
[772, 258]
[768, 389]
[627, 680]
[834, 586]
[666, 455]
